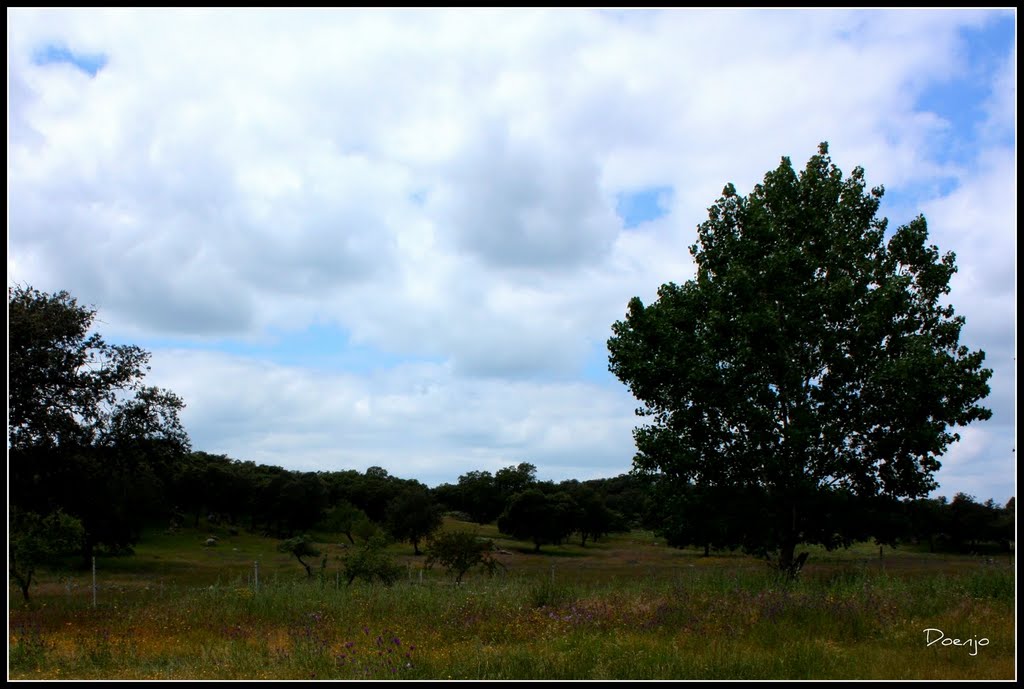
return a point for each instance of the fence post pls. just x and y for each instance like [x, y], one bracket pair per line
[94, 581]
[256, 575]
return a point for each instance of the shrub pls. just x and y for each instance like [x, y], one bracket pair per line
[460, 551]
[371, 562]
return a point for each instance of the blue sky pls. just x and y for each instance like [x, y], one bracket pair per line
[60, 54]
[355, 238]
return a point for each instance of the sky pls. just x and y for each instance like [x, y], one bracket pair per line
[400, 238]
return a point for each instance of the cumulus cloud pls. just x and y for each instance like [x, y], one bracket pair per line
[414, 419]
[441, 186]
[515, 202]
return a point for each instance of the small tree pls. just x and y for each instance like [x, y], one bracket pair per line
[460, 551]
[371, 562]
[300, 547]
[35, 540]
[343, 518]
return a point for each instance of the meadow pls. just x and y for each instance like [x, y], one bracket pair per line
[627, 607]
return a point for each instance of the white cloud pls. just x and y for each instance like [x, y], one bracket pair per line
[421, 420]
[441, 185]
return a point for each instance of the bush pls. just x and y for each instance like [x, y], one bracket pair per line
[371, 562]
[460, 551]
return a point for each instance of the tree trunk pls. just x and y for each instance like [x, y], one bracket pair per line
[23, 582]
[786, 556]
[789, 565]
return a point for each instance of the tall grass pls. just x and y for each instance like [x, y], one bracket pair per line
[623, 608]
[706, 623]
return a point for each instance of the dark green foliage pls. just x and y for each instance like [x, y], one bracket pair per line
[460, 551]
[513, 480]
[297, 502]
[413, 516]
[969, 522]
[542, 518]
[205, 484]
[85, 435]
[965, 525]
[343, 518]
[630, 496]
[371, 562]
[693, 515]
[927, 520]
[34, 540]
[300, 547]
[592, 518]
[478, 495]
[373, 491]
[811, 364]
[483, 496]
[1005, 524]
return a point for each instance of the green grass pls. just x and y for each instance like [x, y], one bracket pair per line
[624, 608]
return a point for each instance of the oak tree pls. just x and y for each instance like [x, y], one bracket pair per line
[86, 436]
[812, 362]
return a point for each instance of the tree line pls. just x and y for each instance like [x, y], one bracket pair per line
[284, 503]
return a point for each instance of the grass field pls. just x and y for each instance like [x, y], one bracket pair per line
[624, 608]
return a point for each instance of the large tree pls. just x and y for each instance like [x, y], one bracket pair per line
[539, 517]
[812, 362]
[480, 496]
[85, 434]
[413, 516]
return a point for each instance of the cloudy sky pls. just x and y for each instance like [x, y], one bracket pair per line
[400, 238]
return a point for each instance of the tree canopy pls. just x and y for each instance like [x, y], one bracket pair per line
[536, 516]
[413, 515]
[812, 362]
[85, 434]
